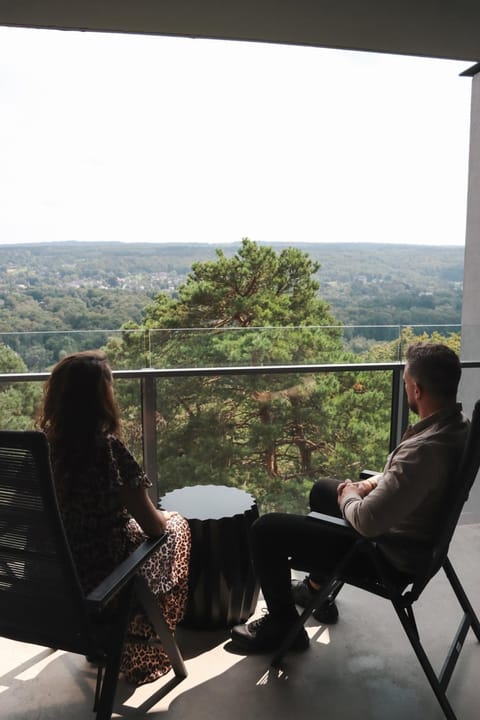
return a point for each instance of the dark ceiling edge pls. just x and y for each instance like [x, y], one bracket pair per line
[419, 28]
[470, 72]
[236, 38]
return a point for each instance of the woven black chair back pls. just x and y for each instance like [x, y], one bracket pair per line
[41, 600]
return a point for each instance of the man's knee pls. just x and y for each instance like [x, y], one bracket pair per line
[274, 534]
[266, 527]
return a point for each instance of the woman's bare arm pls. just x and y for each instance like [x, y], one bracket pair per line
[139, 505]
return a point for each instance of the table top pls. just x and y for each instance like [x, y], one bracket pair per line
[207, 502]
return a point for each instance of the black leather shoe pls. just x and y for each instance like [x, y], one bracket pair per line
[302, 591]
[266, 634]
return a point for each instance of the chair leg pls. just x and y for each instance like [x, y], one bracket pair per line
[435, 684]
[109, 685]
[98, 686]
[462, 597]
[454, 653]
[114, 656]
[155, 616]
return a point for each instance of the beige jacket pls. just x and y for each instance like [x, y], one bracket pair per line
[412, 487]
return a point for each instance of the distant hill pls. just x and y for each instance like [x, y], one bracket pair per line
[368, 284]
[339, 261]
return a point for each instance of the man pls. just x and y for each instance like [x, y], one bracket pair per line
[401, 502]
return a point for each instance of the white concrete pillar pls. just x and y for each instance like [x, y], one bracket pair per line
[471, 295]
[470, 385]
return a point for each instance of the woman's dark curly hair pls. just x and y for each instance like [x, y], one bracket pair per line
[79, 407]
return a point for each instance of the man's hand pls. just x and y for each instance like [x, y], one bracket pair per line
[361, 488]
[366, 486]
[346, 487]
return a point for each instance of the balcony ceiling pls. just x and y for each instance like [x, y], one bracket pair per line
[432, 28]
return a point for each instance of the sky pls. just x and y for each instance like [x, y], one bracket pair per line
[128, 138]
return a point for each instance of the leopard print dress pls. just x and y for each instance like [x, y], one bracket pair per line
[101, 534]
[166, 572]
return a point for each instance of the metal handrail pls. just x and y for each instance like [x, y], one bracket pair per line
[222, 370]
[235, 370]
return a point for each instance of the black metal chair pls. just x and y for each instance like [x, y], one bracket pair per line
[41, 601]
[401, 590]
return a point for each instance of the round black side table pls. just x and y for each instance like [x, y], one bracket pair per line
[223, 590]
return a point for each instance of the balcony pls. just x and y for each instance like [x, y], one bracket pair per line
[354, 679]
[362, 667]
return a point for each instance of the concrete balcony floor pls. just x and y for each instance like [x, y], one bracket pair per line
[363, 667]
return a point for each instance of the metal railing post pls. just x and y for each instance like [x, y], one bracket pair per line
[149, 408]
[399, 408]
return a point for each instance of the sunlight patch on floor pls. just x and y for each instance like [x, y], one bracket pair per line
[206, 666]
[324, 637]
[32, 671]
[319, 634]
[272, 675]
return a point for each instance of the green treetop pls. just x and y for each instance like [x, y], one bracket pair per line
[255, 288]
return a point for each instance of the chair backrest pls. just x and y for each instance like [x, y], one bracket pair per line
[459, 490]
[41, 600]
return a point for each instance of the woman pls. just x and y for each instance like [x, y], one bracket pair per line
[103, 498]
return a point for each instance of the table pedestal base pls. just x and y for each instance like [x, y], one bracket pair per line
[223, 590]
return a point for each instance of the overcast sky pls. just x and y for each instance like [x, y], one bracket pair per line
[149, 139]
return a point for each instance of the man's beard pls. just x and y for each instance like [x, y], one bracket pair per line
[413, 407]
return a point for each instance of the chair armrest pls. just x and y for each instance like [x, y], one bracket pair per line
[118, 578]
[365, 474]
[337, 525]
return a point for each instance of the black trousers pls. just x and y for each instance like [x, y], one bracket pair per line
[281, 541]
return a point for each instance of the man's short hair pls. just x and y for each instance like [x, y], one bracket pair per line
[435, 367]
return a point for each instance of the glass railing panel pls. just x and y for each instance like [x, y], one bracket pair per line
[19, 405]
[128, 393]
[234, 347]
[227, 347]
[382, 343]
[39, 351]
[271, 434]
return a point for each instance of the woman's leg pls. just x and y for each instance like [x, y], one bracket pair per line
[166, 574]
